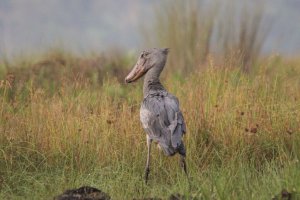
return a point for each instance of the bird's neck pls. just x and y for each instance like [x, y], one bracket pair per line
[152, 82]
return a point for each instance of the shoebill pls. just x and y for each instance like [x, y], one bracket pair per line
[160, 115]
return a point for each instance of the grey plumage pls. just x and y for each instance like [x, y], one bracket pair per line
[163, 121]
[160, 114]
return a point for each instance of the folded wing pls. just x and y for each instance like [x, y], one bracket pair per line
[163, 121]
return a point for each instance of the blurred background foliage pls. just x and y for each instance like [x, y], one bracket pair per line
[194, 31]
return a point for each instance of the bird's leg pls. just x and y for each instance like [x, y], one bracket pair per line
[183, 166]
[147, 170]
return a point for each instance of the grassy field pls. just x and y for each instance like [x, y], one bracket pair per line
[68, 121]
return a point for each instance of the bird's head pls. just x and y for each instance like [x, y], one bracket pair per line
[150, 60]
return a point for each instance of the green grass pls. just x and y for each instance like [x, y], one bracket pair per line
[72, 123]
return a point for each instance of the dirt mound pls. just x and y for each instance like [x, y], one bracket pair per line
[83, 193]
[90, 193]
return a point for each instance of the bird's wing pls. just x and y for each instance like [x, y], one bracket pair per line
[175, 117]
[162, 119]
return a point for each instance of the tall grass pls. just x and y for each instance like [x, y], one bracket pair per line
[186, 30]
[63, 129]
[231, 31]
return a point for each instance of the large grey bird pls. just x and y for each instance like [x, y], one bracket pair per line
[160, 114]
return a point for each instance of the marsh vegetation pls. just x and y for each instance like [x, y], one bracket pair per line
[68, 120]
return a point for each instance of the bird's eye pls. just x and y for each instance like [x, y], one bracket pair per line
[144, 54]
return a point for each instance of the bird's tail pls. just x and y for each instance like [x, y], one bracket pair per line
[181, 149]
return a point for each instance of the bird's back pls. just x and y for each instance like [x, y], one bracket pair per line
[163, 121]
